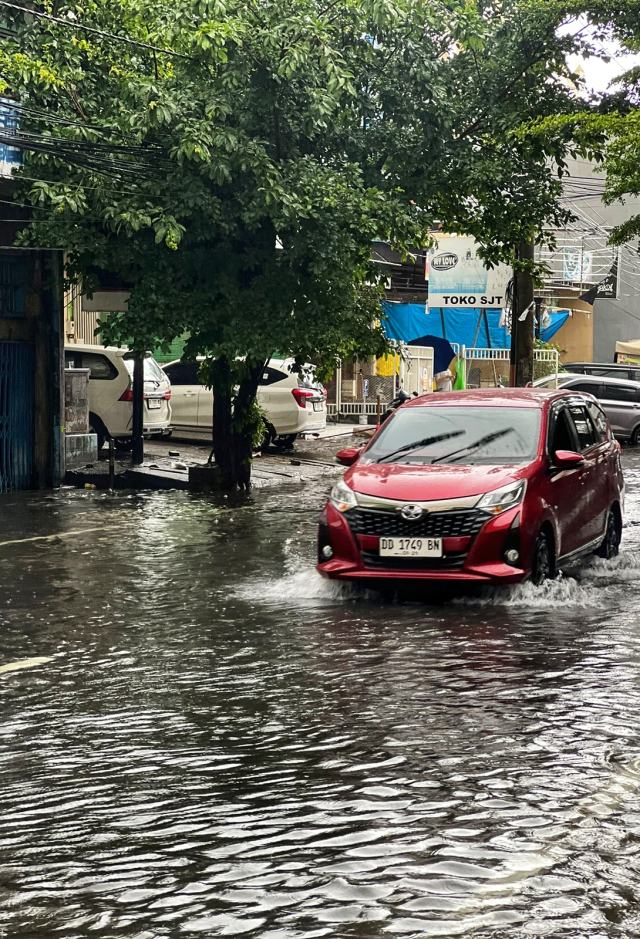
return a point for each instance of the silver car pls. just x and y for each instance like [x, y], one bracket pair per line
[619, 397]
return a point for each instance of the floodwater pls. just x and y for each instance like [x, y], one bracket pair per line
[199, 737]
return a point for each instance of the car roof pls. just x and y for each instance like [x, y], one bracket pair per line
[201, 358]
[598, 379]
[90, 347]
[491, 397]
[602, 364]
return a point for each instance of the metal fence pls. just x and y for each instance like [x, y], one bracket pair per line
[490, 368]
[17, 370]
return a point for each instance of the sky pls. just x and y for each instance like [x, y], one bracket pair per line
[599, 74]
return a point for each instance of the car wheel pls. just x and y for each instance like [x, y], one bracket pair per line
[269, 435]
[286, 442]
[634, 439]
[97, 428]
[611, 543]
[542, 567]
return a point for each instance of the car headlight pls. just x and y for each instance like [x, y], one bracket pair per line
[342, 497]
[504, 498]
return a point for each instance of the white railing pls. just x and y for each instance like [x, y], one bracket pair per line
[485, 368]
[484, 354]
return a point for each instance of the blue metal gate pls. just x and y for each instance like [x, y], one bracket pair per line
[17, 380]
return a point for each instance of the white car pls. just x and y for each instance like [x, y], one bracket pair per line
[293, 404]
[111, 392]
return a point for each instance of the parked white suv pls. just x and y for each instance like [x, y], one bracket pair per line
[111, 392]
[293, 404]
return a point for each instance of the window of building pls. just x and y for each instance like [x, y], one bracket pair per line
[12, 286]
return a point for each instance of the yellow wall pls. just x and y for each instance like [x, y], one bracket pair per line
[575, 338]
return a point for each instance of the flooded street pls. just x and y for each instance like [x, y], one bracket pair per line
[220, 743]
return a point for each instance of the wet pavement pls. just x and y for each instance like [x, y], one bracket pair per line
[212, 741]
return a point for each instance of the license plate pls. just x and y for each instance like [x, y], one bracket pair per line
[318, 405]
[154, 403]
[411, 547]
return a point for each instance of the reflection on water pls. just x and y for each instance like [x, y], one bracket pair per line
[224, 744]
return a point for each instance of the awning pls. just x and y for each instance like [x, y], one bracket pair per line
[475, 329]
[628, 348]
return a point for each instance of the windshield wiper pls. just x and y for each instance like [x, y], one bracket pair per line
[419, 444]
[489, 438]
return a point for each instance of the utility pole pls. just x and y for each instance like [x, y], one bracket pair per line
[538, 303]
[137, 442]
[521, 364]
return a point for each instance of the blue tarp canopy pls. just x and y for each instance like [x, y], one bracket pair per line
[407, 321]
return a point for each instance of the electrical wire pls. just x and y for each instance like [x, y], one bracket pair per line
[91, 29]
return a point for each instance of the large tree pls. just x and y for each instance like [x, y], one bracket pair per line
[233, 160]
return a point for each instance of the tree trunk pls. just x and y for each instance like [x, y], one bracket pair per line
[233, 429]
[522, 331]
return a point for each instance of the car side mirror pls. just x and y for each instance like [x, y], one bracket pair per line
[348, 456]
[566, 459]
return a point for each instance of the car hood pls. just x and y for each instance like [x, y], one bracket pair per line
[424, 483]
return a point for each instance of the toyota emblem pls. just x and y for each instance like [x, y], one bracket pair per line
[411, 512]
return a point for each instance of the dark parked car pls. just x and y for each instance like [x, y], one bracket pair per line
[491, 486]
[619, 397]
[604, 369]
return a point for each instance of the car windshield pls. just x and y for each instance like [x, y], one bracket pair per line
[152, 371]
[457, 435]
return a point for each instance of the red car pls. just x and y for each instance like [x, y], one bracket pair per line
[493, 486]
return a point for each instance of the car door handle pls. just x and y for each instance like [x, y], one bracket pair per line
[190, 394]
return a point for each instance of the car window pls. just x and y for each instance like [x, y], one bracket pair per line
[152, 371]
[621, 393]
[603, 370]
[591, 388]
[272, 375]
[457, 435]
[183, 373]
[599, 421]
[584, 428]
[101, 369]
[562, 433]
[616, 373]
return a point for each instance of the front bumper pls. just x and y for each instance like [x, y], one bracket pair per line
[475, 557]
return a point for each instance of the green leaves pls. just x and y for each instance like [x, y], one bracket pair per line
[238, 187]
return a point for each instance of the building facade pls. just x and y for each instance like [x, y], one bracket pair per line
[583, 257]
[31, 354]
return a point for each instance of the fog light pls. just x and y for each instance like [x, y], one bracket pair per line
[512, 556]
[327, 552]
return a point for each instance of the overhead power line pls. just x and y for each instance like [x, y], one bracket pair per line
[90, 29]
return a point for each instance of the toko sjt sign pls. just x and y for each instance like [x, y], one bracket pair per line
[459, 278]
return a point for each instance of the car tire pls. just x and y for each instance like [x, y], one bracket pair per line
[634, 439]
[612, 537]
[542, 567]
[97, 427]
[269, 435]
[286, 442]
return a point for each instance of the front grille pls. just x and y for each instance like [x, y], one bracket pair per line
[373, 560]
[456, 524]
